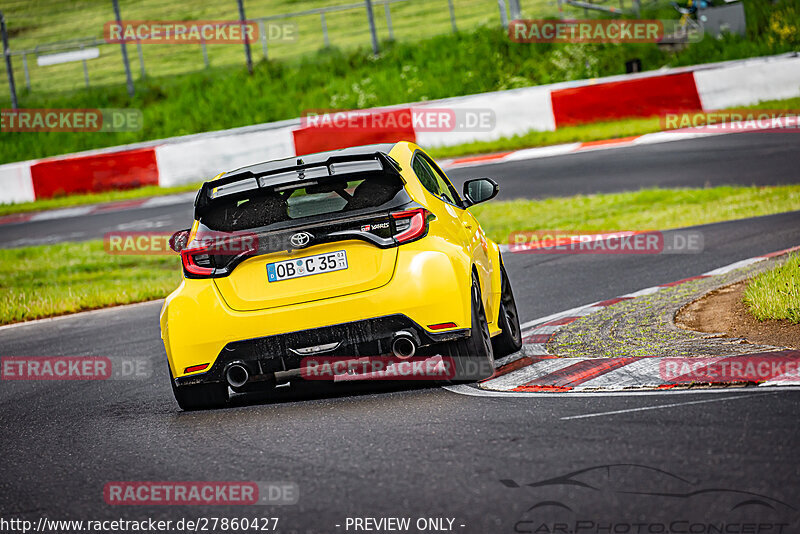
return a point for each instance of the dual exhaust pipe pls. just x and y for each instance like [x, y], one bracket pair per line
[237, 375]
[403, 346]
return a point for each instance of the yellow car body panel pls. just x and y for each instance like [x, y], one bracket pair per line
[427, 280]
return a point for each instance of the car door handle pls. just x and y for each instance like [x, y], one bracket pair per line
[467, 225]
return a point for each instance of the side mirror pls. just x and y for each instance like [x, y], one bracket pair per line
[179, 240]
[479, 190]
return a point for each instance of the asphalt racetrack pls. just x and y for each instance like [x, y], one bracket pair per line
[667, 462]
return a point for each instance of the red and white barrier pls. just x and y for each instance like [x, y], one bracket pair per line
[206, 156]
[197, 157]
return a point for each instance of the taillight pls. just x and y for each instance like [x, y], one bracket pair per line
[410, 224]
[197, 261]
[195, 368]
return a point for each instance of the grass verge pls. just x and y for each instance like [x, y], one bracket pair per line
[775, 294]
[45, 281]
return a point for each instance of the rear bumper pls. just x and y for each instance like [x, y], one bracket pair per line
[428, 287]
[265, 356]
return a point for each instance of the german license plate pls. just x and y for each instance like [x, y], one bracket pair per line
[310, 265]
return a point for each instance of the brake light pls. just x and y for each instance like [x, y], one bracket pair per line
[197, 261]
[410, 224]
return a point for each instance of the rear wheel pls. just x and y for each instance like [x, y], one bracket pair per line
[200, 396]
[473, 357]
[509, 340]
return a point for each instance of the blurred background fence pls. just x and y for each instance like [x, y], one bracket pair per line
[38, 30]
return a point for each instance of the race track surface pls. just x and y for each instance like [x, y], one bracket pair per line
[412, 452]
[492, 465]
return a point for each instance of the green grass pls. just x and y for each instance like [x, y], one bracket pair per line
[775, 294]
[647, 209]
[51, 280]
[47, 21]
[475, 60]
[45, 281]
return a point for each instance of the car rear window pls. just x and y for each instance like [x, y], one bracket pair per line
[299, 201]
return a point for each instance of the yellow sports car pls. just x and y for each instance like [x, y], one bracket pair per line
[367, 251]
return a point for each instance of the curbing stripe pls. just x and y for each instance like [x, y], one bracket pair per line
[643, 372]
[537, 371]
[580, 372]
[511, 380]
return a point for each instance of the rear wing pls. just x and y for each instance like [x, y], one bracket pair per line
[278, 173]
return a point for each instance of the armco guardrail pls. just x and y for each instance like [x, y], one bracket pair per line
[191, 158]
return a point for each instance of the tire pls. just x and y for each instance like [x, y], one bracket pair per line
[473, 357]
[509, 340]
[200, 396]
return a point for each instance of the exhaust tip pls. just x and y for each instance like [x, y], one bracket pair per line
[403, 346]
[237, 375]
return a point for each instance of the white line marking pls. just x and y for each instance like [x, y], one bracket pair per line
[473, 392]
[573, 312]
[734, 266]
[643, 292]
[660, 406]
[61, 214]
[168, 200]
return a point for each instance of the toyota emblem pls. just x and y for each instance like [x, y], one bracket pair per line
[301, 239]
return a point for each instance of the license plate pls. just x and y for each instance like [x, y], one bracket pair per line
[310, 265]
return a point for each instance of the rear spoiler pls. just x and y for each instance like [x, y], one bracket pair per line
[335, 165]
